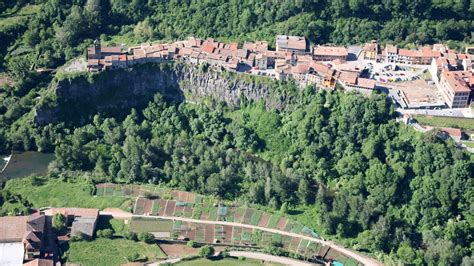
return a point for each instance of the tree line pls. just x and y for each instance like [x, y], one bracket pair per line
[369, 179]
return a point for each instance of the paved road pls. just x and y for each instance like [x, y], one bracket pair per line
[271, 258]
[361, 258]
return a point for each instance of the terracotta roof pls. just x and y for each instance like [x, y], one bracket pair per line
[12, 228]
[456, 82]
[453, 132]
[93, 62]
[330, 51]
[409, 53]
[349, 77]
[111, 50]
[391, 49]
[370, 47]
[366, 83]
[82, 212]
[233, 46]
[291, 42]
[427, 52]
[208, 48]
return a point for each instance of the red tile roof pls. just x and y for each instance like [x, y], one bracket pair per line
[330, 51]
[208, 49]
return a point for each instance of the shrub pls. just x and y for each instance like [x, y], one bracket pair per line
[130, 236]
[77, 237]
[105, 233]
[192, 244]
[207, 251]
[146, 237]
[133, 257]
[59, 222]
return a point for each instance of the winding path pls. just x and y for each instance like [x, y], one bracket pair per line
[350, 253]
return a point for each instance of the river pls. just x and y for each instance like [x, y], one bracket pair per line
[23, 164]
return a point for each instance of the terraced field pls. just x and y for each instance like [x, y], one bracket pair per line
[153, 201]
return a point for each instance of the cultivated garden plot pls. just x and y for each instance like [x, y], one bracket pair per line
[172, 203]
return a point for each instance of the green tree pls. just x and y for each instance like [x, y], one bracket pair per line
[206, 251]
[59, 222]
[146, 237]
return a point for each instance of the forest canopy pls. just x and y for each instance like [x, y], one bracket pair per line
[341, 158]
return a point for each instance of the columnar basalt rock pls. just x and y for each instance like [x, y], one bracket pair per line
[123, 89]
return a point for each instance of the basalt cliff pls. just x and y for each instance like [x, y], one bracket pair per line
[110, 92]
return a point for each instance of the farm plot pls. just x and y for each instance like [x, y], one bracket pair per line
[162, 204]
[248, 216]
[282, 223]
[236, 235]
[351, 262]
[227, 214]
[227, 234]
[273, 222]
[197, 211]
[334, 255]
[239, 214]
[188, 211]
[209, 233]
[109, 190]
[266, 239]
[312, 249]
[309, 232]
[324, 249]
[140, 206]
[297, 228]
[212, 214]
[219, 233]
[179, 209]
[256, 216]
[170, 205]
[286, 241]
[205, 211]
[144, 224]
[295, 244]
[200, 232]
[246, 237]
[99, 190]
[148, 206]
[300, 247]
[155, 207]
[277, 238]
[288, 226]
[264, 220]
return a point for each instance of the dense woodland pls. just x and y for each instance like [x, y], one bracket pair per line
[342, 158]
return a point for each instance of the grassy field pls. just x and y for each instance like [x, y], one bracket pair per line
[110, 251]
[118, 226]
[470, 144]
[42, 192]
[439, 121]
[142, 224]
[15, 17]
[225, 262]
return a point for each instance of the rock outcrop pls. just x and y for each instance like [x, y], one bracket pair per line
[111, 91]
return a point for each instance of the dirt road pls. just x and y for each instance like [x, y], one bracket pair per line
[350, 253]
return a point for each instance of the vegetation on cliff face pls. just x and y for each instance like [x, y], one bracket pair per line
[47, 33]
[371, 182]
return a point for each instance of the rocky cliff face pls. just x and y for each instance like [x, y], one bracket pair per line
[123, 89]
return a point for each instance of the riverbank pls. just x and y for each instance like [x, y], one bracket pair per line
[25, 164]
[4, 162]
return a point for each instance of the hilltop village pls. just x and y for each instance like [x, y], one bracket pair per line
[321, 66]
